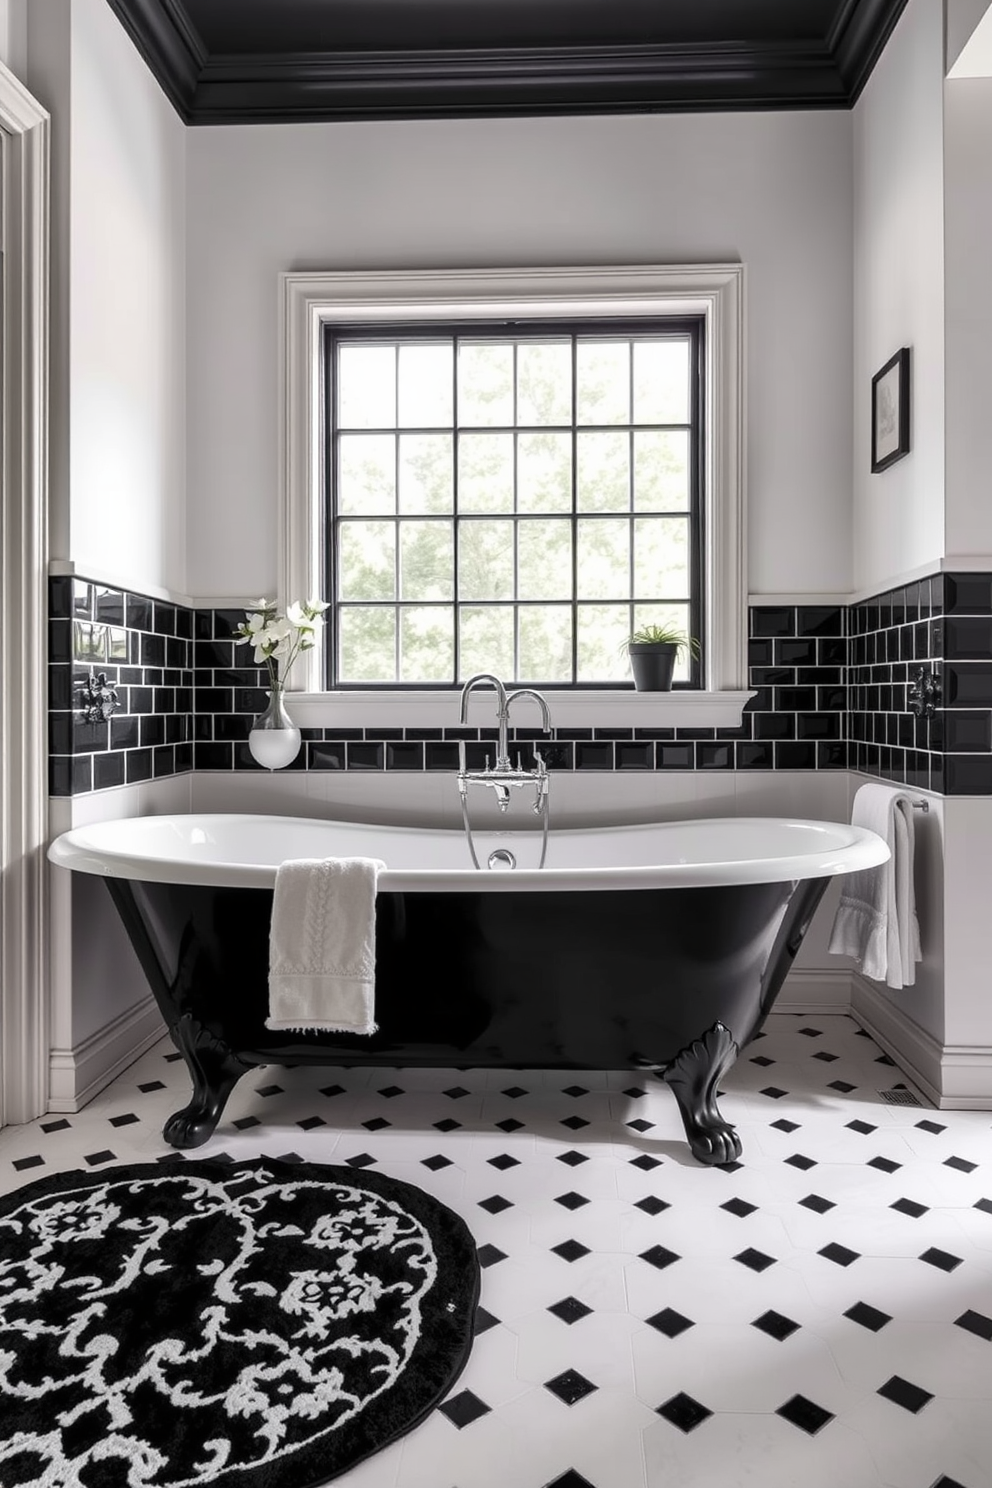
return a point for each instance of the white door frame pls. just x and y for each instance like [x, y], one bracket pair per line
[24, 998]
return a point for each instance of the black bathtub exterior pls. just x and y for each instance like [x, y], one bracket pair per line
[674, 981]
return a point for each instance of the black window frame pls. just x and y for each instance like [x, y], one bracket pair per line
[393, 332]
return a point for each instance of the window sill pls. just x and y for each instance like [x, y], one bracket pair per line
[622, 708]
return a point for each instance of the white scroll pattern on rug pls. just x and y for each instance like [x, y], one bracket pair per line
[291, 1307]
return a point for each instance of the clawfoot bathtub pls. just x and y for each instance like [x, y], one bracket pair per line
[659, 948]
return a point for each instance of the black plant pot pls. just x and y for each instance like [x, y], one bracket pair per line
[652, 663]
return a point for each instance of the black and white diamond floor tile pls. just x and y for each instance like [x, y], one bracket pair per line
[820, 1314]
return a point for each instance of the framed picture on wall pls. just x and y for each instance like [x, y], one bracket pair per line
[890, 412]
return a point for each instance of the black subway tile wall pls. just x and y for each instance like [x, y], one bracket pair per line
[120, 687]
[833, 686]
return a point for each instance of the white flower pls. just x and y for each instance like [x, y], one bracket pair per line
[278, 639]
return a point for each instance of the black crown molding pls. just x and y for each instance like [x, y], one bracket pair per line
[858, 39]
[234, 86]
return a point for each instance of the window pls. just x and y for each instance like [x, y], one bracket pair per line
[408, 518]
[510, 499]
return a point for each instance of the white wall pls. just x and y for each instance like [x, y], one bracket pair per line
[127, 311]
[773, 190]
[898, 295]
[14, 36]
[968, 329]
[968, 40]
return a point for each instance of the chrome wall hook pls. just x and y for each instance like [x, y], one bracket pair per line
[99, 698]
[924, 693]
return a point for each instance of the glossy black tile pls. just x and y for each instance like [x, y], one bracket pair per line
[404, 756]
[593, 756]
[773, 620]
[366, 756]
[819, 620]
[967, 594]
[755, 756]
[108, 770]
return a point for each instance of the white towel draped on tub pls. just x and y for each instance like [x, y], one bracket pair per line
[876, 919]
[322, 946]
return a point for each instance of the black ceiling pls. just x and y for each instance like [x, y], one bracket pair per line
[276, 61]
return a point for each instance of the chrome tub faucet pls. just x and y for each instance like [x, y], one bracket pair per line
[504, 777]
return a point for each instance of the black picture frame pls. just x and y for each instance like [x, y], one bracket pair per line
[890, 412]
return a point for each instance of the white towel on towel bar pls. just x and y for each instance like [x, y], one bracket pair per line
[876, 919]
[322, 946]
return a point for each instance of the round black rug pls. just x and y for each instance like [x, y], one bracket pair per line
[257, 1324]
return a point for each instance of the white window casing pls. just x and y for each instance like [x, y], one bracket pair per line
[714, 291]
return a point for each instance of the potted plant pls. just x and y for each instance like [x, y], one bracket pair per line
[653, 651]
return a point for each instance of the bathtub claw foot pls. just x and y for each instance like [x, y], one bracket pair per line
[693, 1076]
[214, 1069]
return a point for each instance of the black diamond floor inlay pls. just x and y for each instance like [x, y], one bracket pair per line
[785, 1126]
[570, 1310]
[804, 1413]
[684, 1412]
[504, 1161]
[495, 1204]
[489, 1255]
[977, 1323]
[755, 1260]
[645, 1163]
[571, 1200]
[775, 1324]
[484, 1321]
[910, 1207]
[573, 1159]
[464, 1408]
[128, 1119]
[839, 1254]
[670, 1322]
[817, 1203]
[902, 1392]
[961, 1164]
[570, 1387]
[862, 1127]
[867, 1316]
[941, 1259]
[571, 1250]
[740, 1207]
[651, 1204]
[884, 1164]
[659, 1256]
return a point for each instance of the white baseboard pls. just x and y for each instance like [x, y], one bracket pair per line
[953, 1077]
[80, 1073]
[812, 991]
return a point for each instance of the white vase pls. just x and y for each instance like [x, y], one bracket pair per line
[274, 740]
